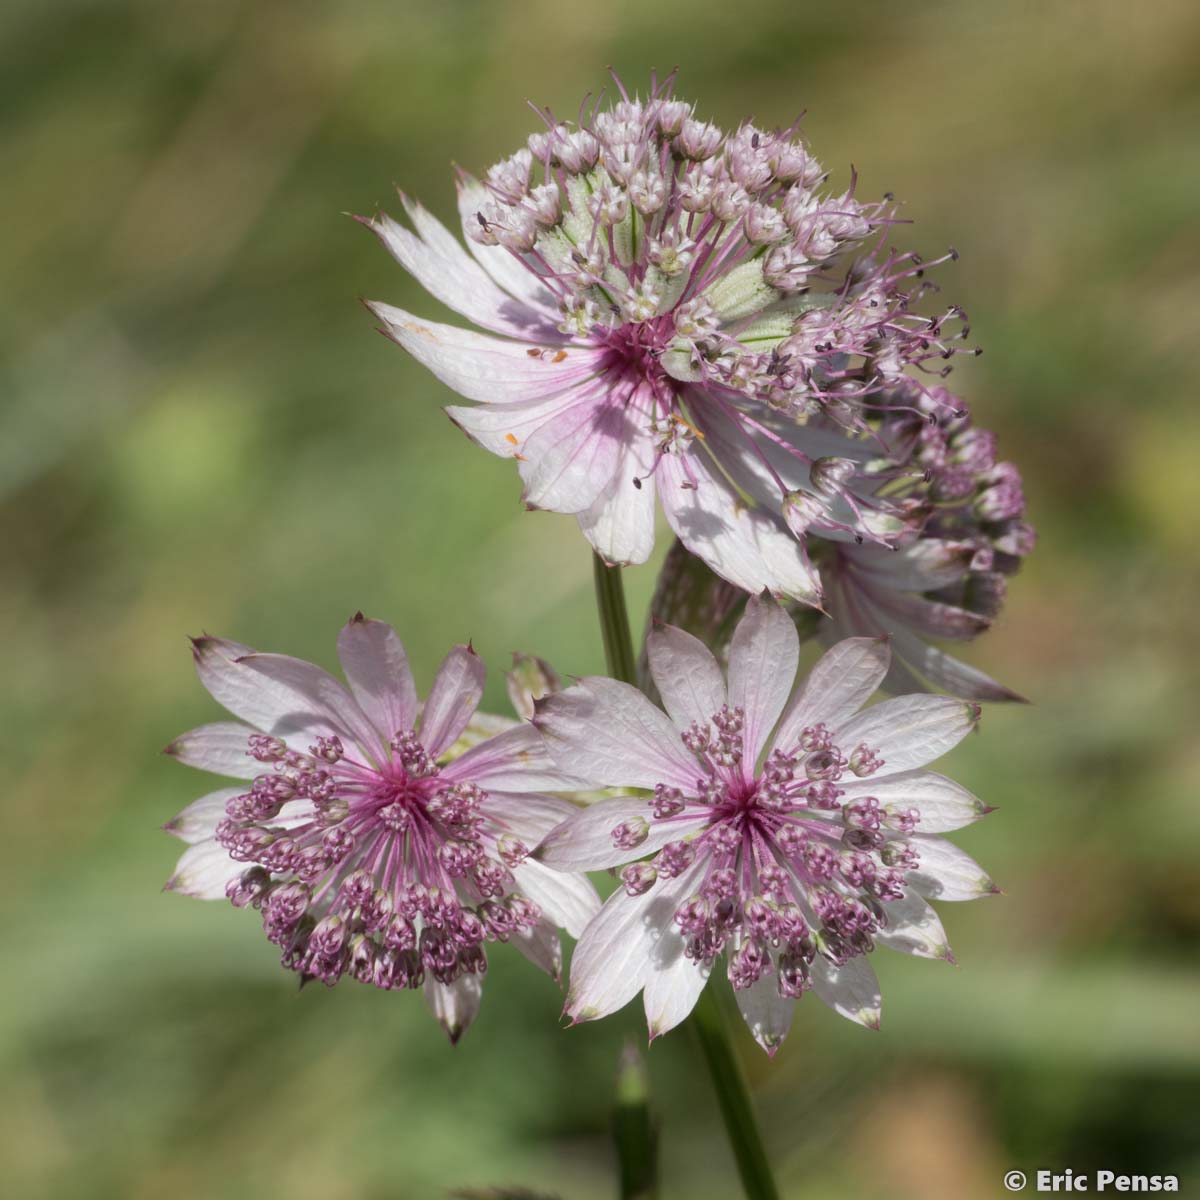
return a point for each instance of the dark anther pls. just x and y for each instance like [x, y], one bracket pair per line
[637, 483]
[481, 219]
[978, 351]
[953, 254]
[754, 141]
[960, 412]
[889, 196]
[858, 539]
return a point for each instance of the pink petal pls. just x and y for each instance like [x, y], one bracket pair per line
[455, 1004]
[612, 736]
[910, 731]
[943, 804]
[763, 658]
[486, 368]
[583, 842]
[526, 815]
[767, 1014]
[203, 871]
[221, 748]
[842, 681]
[197, 822]
[947, 873]
[568, 900]
[455, 695]
[686, 674]
[850, 990]
[377, 670]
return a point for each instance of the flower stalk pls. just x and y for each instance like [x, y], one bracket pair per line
[708, 1019]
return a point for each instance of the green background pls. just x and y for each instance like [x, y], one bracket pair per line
[200, 431]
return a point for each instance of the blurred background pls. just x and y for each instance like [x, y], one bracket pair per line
[200, 431]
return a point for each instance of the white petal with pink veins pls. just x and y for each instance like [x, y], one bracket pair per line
[486, 368]
[197, 822]
[763, 658]
[455, 1004]
[513, 761]
[909, 731]
[613, 736]
[945, 872]
[611, 961]
[584, 841]
[942, 804]
[222, 748]
[377, 670]
[515, 278]
[767, 1014]
[570, 459]
[503, 428]
[526, 815]
[569, 901]
[842, 681]
[203, 870]
[444, 269]
[455, 695]
[306, 689]
[686, 674]
[541, 945]
[851, 990]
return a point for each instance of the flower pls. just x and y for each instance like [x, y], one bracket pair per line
[791, 835]
[368, 851]
[670, 308]
[950, 579]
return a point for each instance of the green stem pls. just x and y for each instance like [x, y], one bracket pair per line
[708, 1020]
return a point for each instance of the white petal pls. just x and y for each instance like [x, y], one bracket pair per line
[445, 270]
[503, 428]
[943, 804]
[840, 683]
[541, 945]
[611, 961]
[499, 263]
[203, 870]
[619, 524]
[947, 873]
[456, 1004]
[945, 671]
[486, 368]
[377, 670]
[686, 674]
[767, 1014]
[197, 822]
[914, 928]
[584, 842]
[221, 748]
[851, 990]
[526, 815]
[513, 761]
[311, 696]
[910, 731]
[673, 984]
[567, 899]
[571, 458]
[612, 736]
[745, 546]
[763, 658]
[455, 695]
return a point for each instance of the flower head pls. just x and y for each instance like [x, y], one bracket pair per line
[684, 311]
[368, 850]
[790, 834]
[950, 579]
